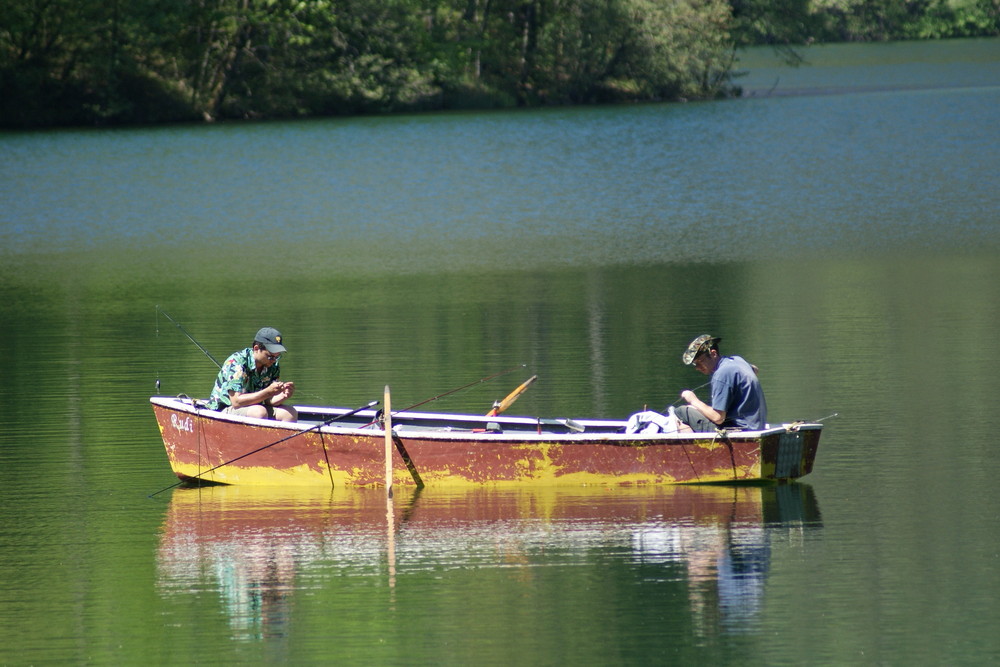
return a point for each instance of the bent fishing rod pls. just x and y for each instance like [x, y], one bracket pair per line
[355, 411]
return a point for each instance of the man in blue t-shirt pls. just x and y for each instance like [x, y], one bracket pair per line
[737, 398]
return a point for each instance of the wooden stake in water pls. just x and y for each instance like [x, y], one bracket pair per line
[387, 425]
[390, 548]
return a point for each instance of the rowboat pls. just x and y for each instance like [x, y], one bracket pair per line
[331, 446]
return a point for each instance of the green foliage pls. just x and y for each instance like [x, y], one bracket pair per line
[873, 20]
[111, 61]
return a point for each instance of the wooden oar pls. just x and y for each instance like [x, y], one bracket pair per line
[405, 455]
[511, 397]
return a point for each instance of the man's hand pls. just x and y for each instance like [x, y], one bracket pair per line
[714, 416]
[282, 391]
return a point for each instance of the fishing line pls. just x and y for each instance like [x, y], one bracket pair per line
[184, 331]
[465, 386]
[200, 347]
[674, 404]
[157, 347]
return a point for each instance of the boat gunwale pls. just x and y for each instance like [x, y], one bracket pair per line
[188, 405]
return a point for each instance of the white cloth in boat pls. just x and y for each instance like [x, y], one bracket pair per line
[653, 422]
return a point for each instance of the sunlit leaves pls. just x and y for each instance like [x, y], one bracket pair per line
[93, 61]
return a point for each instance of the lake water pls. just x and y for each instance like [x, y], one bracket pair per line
[839, 227]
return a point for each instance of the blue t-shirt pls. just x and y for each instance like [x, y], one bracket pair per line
[736, 389]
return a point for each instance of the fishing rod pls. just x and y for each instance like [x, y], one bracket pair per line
[184, 331]
[200, 347]
[453, 391]
[464, 386]
[355, 411]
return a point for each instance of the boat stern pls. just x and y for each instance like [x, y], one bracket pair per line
[790, 453]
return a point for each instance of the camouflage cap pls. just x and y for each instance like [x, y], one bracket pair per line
[700, 344]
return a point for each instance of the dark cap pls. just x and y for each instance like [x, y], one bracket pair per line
[702, 343]
[271, 339]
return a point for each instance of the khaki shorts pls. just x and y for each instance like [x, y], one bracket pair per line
[230, 410]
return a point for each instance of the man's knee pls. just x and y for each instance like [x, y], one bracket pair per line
[693, 418]
[255, 411]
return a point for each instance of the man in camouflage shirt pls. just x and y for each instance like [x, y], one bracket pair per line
[248, 383]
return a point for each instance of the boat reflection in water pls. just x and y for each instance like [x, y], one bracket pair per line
[256, 547]
[727, 558]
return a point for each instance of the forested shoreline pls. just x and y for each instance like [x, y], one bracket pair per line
[112, 62]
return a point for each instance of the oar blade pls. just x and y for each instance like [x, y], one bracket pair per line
[511, 397]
